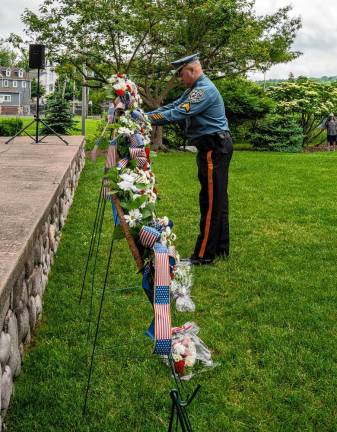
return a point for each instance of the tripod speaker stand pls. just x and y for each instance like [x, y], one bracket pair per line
[37, 61]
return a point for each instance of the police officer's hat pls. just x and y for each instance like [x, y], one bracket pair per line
[179, 64]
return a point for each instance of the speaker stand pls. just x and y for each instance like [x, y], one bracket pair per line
[37, 120]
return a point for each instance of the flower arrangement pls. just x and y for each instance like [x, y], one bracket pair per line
[181, 287]
[189, 353]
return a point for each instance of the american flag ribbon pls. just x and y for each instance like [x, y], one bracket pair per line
[106, 189]
[139, 155]
[172, 252]
[148, 236]
[136, 140]
[112, 155]
[162, 310]
[122, 163]
[136, 152]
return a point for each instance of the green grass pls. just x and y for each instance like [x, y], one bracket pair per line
[91, 125]
[268, 313]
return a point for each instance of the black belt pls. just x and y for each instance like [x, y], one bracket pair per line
[215, 141]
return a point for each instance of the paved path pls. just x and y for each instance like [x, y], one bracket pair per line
[30, 175]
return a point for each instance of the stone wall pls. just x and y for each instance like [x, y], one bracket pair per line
[21, 309]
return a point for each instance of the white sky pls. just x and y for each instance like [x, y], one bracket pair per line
[317, 39]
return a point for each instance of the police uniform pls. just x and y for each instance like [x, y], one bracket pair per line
[202, 109]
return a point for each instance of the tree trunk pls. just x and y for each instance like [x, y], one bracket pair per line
[157, 138]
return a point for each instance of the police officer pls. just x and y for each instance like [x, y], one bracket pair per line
[202, 109]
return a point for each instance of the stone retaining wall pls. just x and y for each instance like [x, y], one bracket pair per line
[21, 309]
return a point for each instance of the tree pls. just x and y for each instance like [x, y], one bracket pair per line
[278, 133]
[244, 99]
[245, 102]
[7, 55]
[308, 101]
[142, 37]
[34, 89]
[58, 114]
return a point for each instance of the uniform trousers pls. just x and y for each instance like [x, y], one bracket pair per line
[213, 159]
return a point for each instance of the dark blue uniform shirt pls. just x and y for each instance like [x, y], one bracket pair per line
[201, 107]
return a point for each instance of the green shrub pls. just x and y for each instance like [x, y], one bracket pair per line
[277, 133]
[9, 127]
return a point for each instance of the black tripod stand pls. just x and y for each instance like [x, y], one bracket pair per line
[37, 120]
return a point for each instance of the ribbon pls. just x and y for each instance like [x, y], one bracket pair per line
[112, 155]
[161, 304]
[148, 236]
[139, 155]
[136, 140]
[122, 163]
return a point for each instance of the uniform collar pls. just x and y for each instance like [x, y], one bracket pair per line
[201, 78]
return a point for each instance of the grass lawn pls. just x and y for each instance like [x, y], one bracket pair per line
[268, 313]
[91, 126]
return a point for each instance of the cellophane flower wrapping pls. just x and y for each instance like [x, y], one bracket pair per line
[190, 354]
[181, 287]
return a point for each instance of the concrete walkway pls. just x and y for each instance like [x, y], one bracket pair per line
[30, 178]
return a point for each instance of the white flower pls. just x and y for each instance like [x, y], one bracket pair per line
[163, 238]
[133, 218]
[124, 131]
[190, 360]
[127, 186]
[128, 177]
[173, 237]
[176, 357]
[179, 349]
[165, 220]
[168, 231]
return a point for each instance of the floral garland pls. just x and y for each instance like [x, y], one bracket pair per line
[129, 175]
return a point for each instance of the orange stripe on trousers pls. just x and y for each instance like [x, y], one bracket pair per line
[210, 203]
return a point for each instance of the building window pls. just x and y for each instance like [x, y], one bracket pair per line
[15, 83]
[20, 73]
[24, 84]
[8, 73]
[5, 98]
[5, 83]
[51, 87]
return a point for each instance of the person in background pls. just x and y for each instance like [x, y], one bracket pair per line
[202, 109]
[331, 129]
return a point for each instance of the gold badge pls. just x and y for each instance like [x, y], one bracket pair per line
[186, 106]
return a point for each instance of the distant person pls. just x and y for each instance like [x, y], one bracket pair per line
[331, 129]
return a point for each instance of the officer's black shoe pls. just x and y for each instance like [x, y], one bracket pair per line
[201, 261]
[223, 256]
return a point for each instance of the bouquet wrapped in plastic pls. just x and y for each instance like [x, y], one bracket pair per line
[181, 287]
[190, 354]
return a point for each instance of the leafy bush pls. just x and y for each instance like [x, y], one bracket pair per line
[9, 127]
[174, 137]
[58, 114]
[277, 133]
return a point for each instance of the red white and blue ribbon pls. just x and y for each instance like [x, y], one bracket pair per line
[148, 236]
[136, 140]
[161, 303]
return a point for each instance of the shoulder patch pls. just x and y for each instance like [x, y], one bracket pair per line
[157, 116]
[196, 95]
